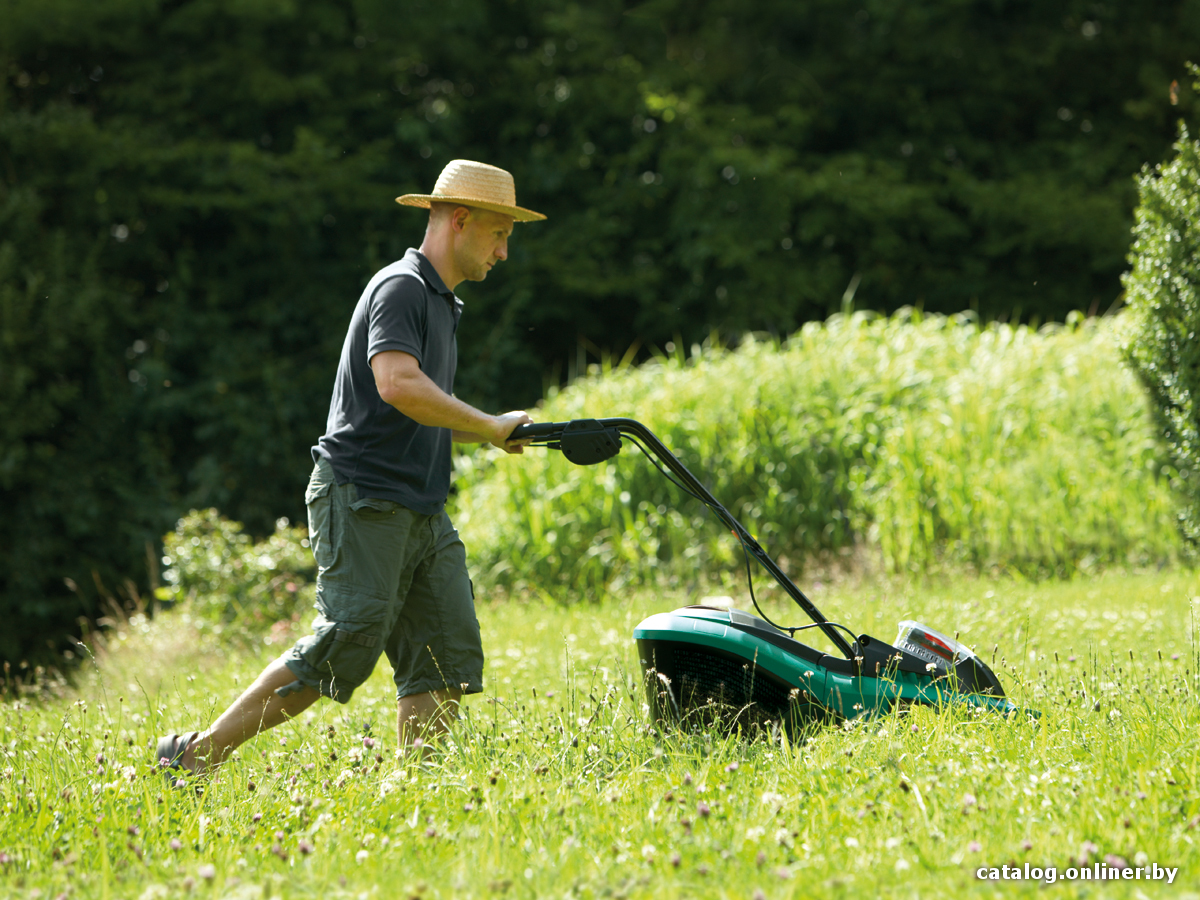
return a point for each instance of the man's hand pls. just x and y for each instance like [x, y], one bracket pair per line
[498, 435]
[504, 427]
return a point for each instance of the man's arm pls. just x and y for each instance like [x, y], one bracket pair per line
[468, 437]
[402, 384]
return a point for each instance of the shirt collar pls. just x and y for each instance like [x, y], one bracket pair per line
[429, 273]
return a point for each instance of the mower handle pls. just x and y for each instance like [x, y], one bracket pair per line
[536, 430]
[554, 435]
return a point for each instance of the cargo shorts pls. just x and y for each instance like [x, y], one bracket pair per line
[389, 580]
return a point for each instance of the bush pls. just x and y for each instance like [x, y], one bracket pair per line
[927, 441]
[227, 579]
[1163, 293]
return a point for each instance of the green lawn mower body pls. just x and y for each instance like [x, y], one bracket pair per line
[708, 663]
[714, 665]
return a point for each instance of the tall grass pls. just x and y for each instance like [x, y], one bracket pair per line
[923, 441]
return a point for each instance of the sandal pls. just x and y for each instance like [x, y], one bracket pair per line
[169, 754]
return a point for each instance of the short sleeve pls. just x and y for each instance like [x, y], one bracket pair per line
[396, 317]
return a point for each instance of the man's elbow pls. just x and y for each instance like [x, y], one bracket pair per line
[395, 394]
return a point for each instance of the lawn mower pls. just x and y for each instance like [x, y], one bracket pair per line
[709, 664]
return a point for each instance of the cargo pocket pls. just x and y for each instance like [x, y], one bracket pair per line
[344, 654]
[374, 508]
[320, 523]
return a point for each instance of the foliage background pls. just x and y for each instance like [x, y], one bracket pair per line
[192, 193]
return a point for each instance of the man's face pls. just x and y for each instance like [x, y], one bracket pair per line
[480, 241]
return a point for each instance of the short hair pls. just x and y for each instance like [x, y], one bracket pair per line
[439, 211]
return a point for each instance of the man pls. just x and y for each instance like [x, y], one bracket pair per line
[392, 574]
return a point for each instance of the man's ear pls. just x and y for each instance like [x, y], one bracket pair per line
[458, 219]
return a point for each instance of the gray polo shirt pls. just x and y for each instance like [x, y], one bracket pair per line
[408, 307]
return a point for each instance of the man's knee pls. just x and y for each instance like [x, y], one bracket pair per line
[336, 659]
[431, 701]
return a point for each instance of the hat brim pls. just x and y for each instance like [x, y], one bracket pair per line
[519, 213]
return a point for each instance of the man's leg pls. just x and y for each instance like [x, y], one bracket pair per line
[435, 648]
[426, 715]
[258, 709]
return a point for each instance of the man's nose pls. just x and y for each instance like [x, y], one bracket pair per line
[502, 250]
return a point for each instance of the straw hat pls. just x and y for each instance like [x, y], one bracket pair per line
[474, 184]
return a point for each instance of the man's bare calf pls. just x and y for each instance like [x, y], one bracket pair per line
[425, 716]
[259, 708]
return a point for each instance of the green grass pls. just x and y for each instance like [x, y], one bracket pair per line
[916, 443]
[554, 785]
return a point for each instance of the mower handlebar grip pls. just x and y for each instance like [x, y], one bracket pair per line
[536, 430]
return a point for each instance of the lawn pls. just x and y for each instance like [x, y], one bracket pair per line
[554, 784]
